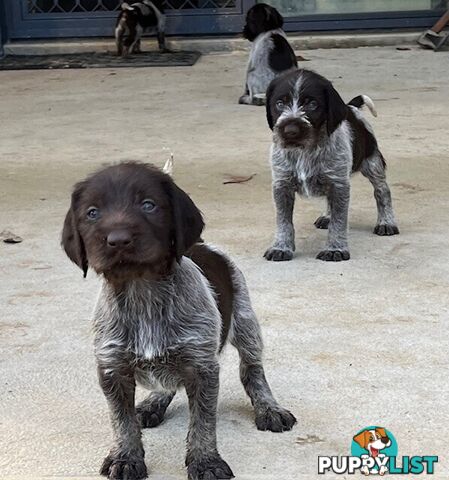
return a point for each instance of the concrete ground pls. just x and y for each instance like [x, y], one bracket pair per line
[348, 345]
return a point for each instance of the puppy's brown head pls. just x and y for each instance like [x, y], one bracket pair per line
[129, 220]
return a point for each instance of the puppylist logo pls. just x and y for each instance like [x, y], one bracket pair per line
[374, 451]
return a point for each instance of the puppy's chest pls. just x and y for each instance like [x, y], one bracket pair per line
[155, 333]
[310, 172]
[311, 177]
[155, 349]
[143, 329]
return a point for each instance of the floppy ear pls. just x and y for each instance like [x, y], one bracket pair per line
[362, 439]
[274, 19]
[187, 221]
[382, 432]
[336, 109]
[269, 96]
[71, 239]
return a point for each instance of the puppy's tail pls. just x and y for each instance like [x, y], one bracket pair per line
[168, 167]
[126, 6]
[362, 100]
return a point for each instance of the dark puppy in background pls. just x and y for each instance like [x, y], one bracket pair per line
[166, 308]
[270, 54]
[136, 18]
[318, 141]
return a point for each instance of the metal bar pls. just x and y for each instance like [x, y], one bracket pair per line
[3, 31]
[360, 24]
[364, 16]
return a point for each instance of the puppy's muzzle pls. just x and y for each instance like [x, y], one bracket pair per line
[293, 133]
[119, 239]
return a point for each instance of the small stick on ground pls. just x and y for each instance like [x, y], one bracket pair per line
[237, 179]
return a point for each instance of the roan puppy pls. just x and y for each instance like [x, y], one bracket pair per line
[136, 18]
[318, 141]
[166, 308]
[270, 54]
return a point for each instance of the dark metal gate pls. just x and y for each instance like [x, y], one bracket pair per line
[89, 18]
[83, 18]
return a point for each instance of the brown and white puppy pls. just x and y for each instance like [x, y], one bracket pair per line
[135, 19]
[167, 306]
[318, 141]
[270, 54]
[373, 440]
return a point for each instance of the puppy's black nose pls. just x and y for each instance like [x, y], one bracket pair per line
[291, 130]
[385, 440]
[119, 239]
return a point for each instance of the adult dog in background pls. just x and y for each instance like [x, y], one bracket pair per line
[270, 54]
[135, 19]
[166, 308]
[318, 141]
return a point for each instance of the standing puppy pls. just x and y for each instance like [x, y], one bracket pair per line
[166, 308]
[318, 141]
[270, 55]
[135, 19]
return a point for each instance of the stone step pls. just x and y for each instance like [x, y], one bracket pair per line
[214, 44]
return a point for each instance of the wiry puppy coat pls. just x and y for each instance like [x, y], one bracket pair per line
[166, 308]
[270, 54]
[136, 18]
[318, 141]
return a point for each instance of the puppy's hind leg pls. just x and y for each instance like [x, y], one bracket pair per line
[135, 45]
[245, 335]
[322, 222]
[161, 34]
[151, 411]
[245, 99]
[373, 168]
[120, 32]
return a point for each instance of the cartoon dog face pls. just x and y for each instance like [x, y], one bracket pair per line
[373, 440]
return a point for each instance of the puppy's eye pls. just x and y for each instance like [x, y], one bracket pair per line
[312, 105]
[280, 105]
[93, 213]
[148, 206]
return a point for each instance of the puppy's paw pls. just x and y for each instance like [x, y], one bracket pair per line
[322, 222]
[333, 255]
[259, 101]
[208, 468]
[275, 419]
[150, 416]
[244, 100]
[384, 230]
[124, 468]
[278, 255]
